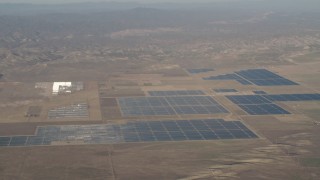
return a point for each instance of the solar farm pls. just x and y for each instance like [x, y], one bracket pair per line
[222, 112]
[176, 93]
[160, 90]
[79, 110]
[153, 131]
[259, 92]
[144, 106]
[224, 90]
[168, 115]
[264, 104]
[259, 77]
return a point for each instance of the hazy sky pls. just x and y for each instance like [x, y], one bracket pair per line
[288, 2]
[72, 1]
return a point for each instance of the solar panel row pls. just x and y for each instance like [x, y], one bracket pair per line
[171, 105]
[273, 82]
[257, 74]
[229, 77]
[263, 109]
[248, 99]
[256, 105]
[200, 129]
[292, 97]
[79, 110]
[263, 77]
[259, 92]
[201, 70]
[225, 90]
[259, 77]
[263, 104]
[176, 93]
[147, 111]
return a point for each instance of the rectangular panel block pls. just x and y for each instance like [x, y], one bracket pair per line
[141, 131]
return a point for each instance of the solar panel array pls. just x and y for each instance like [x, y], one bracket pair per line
[143, 131]
[170, 105]
[264, 104]
[293, 97]
[224, 90]
[176, 93]
[229, 77]
[263, 77]
[259, 92]
[259, 77]
[201, 70]
[256, 105]
[79, 110]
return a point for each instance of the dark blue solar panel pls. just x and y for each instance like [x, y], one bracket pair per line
[200, 125]
[230, 125]
[258, 74]
[263, 77]
[146, 136]
[177, 136]
[163, 110]
[293, 97]
[245, 100]
[193, 135]
[162, 136]
[248, 99]
[251, 134]
[140, 126]
[156, 126]
[263, 109]
[225, 90]
[148, 111]
[200, 110]
[229, 77]
[241, 125]
[256, 99]
[208, 135]
[244, 82]
[34, 140]
[171, 125]
[169, 105]
[129, 129]
[177, 101]
[177, 93]
[214, 124]
[215, 109]
[259, 92]
[223, 134]
[224, 77]
[184, 110]
[18, 140]
[184, 123]
[142, 131]
[259, 77]
[131, 137]
[187, 128]
[253, 109]
[4, 141]
[262, 104]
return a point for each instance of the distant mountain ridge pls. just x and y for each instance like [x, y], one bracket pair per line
[88, 7]
[31, 9]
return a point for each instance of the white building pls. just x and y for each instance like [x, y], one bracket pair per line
[64, 87]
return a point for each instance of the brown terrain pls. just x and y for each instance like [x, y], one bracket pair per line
[130, 60]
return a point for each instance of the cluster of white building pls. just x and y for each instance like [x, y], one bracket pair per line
[66, 87]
